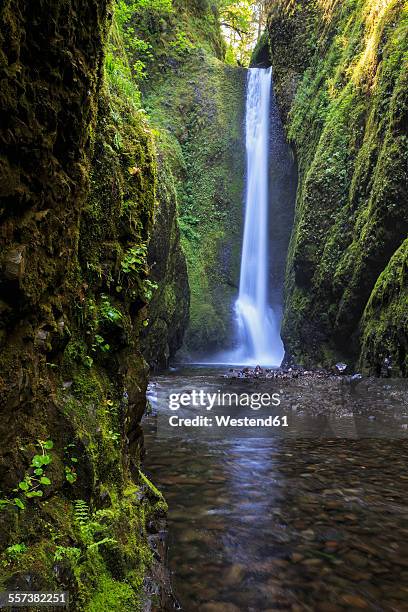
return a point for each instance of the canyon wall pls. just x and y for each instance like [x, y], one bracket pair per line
[340, 72]
[197, 105]
[79, 191]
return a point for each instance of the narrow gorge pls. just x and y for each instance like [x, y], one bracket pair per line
[204, 199]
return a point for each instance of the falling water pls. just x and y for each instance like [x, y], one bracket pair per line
[258, 324]
[270, 196]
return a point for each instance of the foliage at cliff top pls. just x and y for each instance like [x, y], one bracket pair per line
[155, 30]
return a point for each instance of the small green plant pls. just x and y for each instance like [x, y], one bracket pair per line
[182, 44]
[16, 501]
[187, 224]
[134, 259]
[89, 527]
[14, 552]
[30, 485]
[82, 519]
[120, 80]
[100, 344]
[114, 436]
[70, 553]
[112, 407]
[81, 512]
[34, 479]
[104, 541]
[70, 474]
[70, 462]
[88, 361]
[109, 312]
[149, 287]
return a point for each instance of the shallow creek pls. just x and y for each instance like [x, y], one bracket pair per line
[312, 516]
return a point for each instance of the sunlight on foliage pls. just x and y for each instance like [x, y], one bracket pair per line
[242, 22]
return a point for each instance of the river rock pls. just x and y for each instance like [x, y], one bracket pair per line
[355, 601]
[234, 574]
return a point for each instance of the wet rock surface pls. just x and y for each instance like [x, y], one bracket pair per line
[302, 523]
[278, 373]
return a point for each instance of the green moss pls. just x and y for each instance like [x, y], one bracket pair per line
[385, 321]
[152, 489]
[112, 595]
[198, 111]
[167, 313]
[171, 35]
[78, 350]
[343, 102]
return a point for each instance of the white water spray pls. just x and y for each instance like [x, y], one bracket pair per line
[258, 325]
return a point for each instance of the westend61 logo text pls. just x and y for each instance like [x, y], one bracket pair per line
[203, 399]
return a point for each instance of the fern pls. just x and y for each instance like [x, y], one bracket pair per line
[81, 513]
[106, 541]
[70, 553]
[88, 527]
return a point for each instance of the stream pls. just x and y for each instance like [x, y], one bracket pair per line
[311, 516]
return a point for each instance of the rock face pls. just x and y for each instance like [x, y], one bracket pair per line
[208, 109]
[196, 103]
[168, 311]
[385, 320]
[78, 192]
[341, 82]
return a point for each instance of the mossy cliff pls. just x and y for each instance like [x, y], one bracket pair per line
[196, 102]
[168, 310]
[78, 190]
[340, 71]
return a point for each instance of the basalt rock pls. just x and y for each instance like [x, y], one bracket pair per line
[168, 310]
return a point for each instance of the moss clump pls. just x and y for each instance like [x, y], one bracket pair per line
[112, 595]
[343, 95]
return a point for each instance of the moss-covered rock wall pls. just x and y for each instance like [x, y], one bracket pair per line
[168, 310]
[204, 109]
[196, 103]
[78, 195]
[340, 72]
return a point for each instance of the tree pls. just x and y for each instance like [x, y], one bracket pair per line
[243, 22]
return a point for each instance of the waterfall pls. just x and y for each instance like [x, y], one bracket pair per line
[269, 204]
[258, 325]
